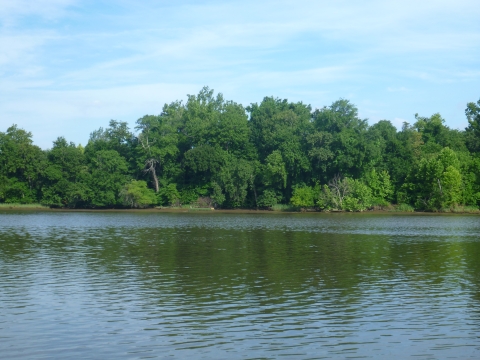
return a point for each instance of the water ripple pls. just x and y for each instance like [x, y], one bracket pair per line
[216, 286]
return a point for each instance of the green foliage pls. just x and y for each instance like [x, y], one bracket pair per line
[303, 197]
[21, 167]
[217, 196]
[234, 180]
[169, 195]
[268, 199]
[345, 151]
[66, 176]
[215, 152]
[190, 195]
[136, 194]
[436, 182]
[380, 185]
[278, 130]
[345, 194]
[473, 130]
[359, 198]
[108, 172]
[275, 174]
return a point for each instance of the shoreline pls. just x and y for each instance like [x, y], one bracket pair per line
[13, 207]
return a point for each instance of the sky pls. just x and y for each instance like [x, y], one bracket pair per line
[67, 67]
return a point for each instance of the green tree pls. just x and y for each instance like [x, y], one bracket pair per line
[21, 167]
[158, 140]
[435, 183]
[473, 129]
[275, 174]
[347, 151]
[380, 186]
[235, 178]
[66, 176]
[436, 135]
[202, 163]
[278, 125]
[109, 172]
[118, 137]
[268, 199]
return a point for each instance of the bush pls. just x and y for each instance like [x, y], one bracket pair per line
[360, 198]
[190, 195]
[345, 194]
[303, 197]
[268, 199]
[136, 194]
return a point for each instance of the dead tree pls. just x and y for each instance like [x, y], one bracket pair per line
[340, 189]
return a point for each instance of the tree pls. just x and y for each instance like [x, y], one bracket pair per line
[21, 167]
[235, 178]
[473, 129]
[66, 176]
[202, 163]
[158, 141]
[380, 186]
[278, 125]
[436, 135]
[109, 171]
[268, 199]
[117, 137]
[320, 153]
[436, 182]
[275, 174]
[347, 150]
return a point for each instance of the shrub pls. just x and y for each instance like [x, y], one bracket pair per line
[268, 199]
[136, 194]
[303, 197]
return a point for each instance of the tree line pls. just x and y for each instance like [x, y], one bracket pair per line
[210, 152]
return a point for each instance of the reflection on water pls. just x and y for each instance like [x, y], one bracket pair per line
[238, 286]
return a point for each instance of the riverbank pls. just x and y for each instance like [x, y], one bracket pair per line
[289, 210]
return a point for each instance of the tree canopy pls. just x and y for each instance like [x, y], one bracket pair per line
[210, 151]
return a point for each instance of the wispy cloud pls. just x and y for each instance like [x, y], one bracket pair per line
[56, 51]
[12, 11]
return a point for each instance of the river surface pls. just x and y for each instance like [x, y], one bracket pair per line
[128, 285]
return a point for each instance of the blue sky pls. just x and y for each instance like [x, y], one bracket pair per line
[67, 67]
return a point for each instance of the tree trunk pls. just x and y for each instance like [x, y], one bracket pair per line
[155, 179]
[150, 167]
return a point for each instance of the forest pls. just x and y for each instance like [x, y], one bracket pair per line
[212, 153]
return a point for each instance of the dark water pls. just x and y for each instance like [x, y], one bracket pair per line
[248, 286]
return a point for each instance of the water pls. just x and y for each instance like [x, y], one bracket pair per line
[238, 286]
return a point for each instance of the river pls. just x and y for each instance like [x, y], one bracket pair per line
[134, 285]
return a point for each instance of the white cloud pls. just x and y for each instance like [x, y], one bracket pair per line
[74, 114]
[12, 10]
[101, 60]
[19, 49]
